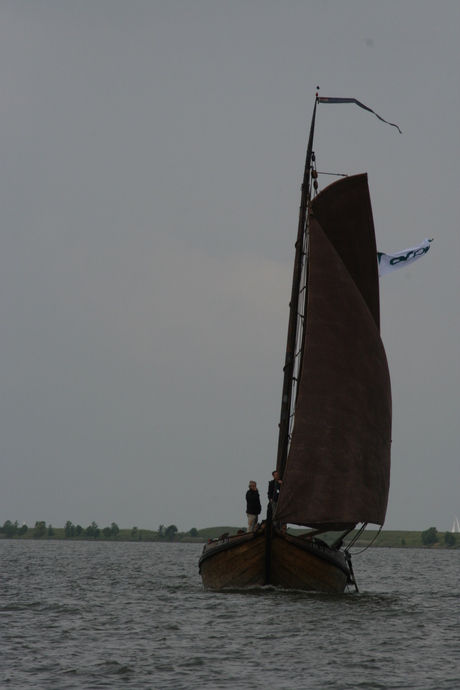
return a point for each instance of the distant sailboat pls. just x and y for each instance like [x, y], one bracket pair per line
[456, 525]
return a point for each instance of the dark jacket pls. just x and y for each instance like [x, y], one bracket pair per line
[274, 490]
[253, 506]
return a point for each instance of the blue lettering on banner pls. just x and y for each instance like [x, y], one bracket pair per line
[398, 259]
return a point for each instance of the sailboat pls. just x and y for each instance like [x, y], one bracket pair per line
[335, 422]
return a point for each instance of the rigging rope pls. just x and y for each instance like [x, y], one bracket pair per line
[358, 553]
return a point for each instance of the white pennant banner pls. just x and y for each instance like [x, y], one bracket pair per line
[391, 262]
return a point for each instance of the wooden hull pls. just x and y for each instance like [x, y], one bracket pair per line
[237, 561]
[269, 557]
[300, 564]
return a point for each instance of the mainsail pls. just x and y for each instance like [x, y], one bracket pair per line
[338, 467]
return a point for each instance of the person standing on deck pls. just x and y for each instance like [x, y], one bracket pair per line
[253, 507]
[274, 487]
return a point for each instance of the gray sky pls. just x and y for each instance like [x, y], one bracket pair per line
[151, 161]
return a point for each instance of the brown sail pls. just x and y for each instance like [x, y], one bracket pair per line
[338, 467]
[344, 212]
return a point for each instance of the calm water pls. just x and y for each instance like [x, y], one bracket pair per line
[125, 615]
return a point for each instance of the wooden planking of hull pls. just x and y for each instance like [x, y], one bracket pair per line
[300, 564]
[237, 561]
[295, 563]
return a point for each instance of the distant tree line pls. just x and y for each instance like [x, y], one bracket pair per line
[91, 532]
[171, 532]
[430, 537]
[12, 529]
[70, 531]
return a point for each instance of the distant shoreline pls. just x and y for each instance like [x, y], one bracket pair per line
[370, 538]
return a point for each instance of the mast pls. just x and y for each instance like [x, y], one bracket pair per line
[294, 317]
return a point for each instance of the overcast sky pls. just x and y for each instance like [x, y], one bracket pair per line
[151, 162]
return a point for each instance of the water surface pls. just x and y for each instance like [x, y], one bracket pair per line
[135, 615]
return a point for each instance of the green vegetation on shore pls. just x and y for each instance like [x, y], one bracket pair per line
[71, 532]
[429, 538]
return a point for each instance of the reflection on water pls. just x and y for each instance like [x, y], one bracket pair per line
[133, 615]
